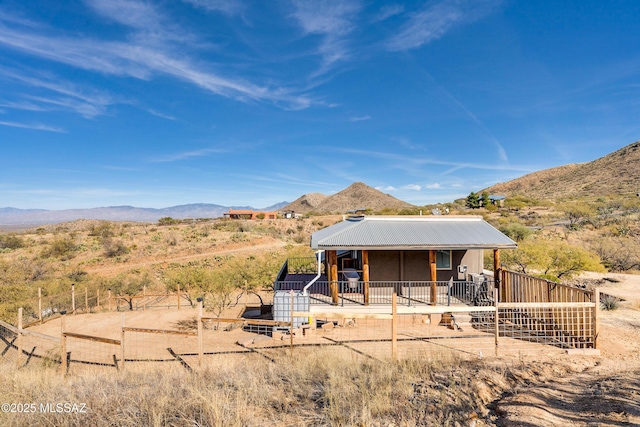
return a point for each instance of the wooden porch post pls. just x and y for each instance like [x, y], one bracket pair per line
[333, 276]
[365, 275]
[434, 276]
[497, 271]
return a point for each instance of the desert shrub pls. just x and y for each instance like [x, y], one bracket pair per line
[10, 241]
[171, 239]
[516, 231]
[551, 258]
[129, 285]
[609, 303]
[114, 248]
[167, 220]
[60, 247]
[618, 253]
[103, 229]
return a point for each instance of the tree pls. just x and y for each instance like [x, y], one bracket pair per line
[473, 201]
[516, 231]
[127, 286]
[577, 213]
[193, 280]
[553, 259]
[485, 201]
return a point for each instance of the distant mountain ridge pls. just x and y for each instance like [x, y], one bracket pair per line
[616, 174]
[357, 196]
[14, 216]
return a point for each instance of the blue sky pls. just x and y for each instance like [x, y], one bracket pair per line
[161, 103]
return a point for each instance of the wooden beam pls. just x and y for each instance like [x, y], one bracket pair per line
[365, 275]
[497, 271]
[379, 316]
[333, 261]
[91, 338]
[63, 347]
[160, 331]
[596, 318]
[394, 327]
[433, 276]
[200, 342]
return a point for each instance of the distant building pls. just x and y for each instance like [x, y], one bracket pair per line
[292, 215]
[497, 200]
[249, 214]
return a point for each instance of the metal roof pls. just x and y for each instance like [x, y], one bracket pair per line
[412, 233]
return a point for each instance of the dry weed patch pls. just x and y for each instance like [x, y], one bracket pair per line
[321, 387]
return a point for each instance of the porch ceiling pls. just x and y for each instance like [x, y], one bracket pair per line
[412, 233]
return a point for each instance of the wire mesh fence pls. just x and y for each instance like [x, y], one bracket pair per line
[387, 333]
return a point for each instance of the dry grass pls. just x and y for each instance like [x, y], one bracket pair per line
[317, 388]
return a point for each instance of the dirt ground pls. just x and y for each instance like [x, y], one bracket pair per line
[553, 389]
[596, 390]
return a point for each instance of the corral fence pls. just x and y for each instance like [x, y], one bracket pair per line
[78, 301]
[563, 312]
[394, 332]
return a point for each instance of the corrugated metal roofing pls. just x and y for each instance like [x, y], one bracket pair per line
[432, 232]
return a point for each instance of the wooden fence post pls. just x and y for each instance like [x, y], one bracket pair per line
[19, 337]
[122, 353]
[596, 318]
[394, 326]
[200, 344]
[73, 299]
[291, 327]
[178, 294]
[144, 296]
[496, 317]
[40, 304]
[109, 298]
[63, 340]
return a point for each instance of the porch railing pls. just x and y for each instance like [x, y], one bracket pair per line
[408, 292]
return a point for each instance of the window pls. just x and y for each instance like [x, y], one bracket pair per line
[443, 260]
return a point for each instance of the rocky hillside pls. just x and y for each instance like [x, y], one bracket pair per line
[616, 174]
[357, 196]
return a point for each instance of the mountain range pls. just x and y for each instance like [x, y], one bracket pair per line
[27, 217]
[616, 174]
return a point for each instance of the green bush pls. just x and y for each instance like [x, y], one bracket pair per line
[609, 303]
[10, 241]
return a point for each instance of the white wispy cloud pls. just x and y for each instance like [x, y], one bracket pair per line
[26, 106]
[387, 188]
[333, 21]
[436, 20]
[87, 102]
[137, 14]
[188, 154]
[359, 118]
[33, 126]
[161, 115]
[388, 11]
[413, 187]
[434, 186]
[228, 7]
[143, 61]
[403, 162]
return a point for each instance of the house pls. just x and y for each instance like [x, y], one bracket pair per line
[292, 215]
[249, 214]
[497, 200]
[424, 259]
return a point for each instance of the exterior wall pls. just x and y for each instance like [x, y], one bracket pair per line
[384, 266]
[414, 265]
